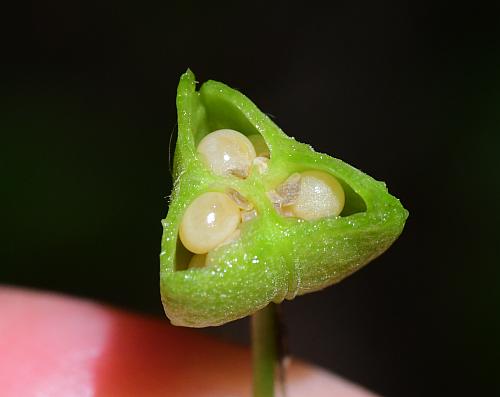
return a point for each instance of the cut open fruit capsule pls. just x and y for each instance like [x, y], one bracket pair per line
[269, 257]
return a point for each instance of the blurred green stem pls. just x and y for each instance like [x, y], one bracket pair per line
[264, 350]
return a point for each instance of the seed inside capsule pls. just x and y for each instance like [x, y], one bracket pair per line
[208, 221]
[320, 195]
[231, 238]
[227, 152]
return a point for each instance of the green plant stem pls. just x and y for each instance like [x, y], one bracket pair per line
[264, 350]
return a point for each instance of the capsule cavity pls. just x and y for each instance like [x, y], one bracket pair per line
[260, 145]
[198, 261]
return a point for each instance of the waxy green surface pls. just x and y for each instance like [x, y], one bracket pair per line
[275, 258]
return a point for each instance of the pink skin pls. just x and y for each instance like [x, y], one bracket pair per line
[58, 346]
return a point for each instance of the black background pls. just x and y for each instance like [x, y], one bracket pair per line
[409, 93]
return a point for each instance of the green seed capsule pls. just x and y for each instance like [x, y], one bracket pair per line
[337, 221]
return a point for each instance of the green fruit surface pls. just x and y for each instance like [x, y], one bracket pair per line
[275, 258]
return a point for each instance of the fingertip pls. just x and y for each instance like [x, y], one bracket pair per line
[309, 380]
[62, 346]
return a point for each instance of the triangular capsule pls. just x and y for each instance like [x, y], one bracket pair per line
[273, 256]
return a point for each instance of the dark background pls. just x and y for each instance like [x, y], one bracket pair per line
[407, 93]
